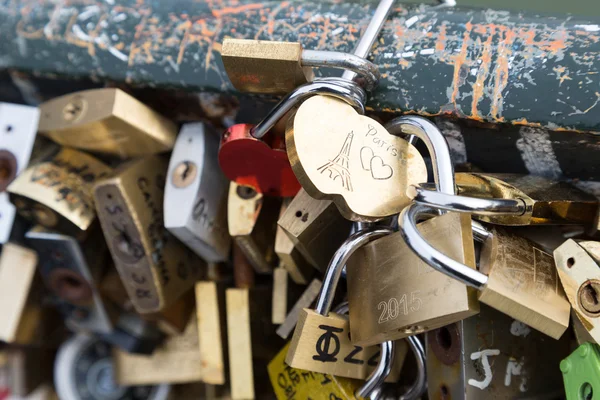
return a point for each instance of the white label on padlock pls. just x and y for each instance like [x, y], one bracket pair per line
[18, 128]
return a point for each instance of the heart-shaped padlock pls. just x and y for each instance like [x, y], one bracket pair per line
[262, 165]
[351, 159]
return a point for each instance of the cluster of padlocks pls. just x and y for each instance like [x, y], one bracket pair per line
[152, 255]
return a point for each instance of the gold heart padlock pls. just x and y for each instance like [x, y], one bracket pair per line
[351, 159]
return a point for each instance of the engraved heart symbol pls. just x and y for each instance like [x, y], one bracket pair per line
[366, 157]
[379, 169]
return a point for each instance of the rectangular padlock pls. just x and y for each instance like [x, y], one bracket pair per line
[252, 222]
[18, 129]
[107, 121]
[393, 294]
[291, 259]
[241, 373]
[210, 315]
[57, 192]
[493, 356]
[316, 228]
[155, 267]
[196, 194]
[261, 66]
[70, 271]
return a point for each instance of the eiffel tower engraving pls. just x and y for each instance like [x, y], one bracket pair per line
[338, 167]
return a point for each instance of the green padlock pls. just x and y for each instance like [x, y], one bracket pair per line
[581, 372]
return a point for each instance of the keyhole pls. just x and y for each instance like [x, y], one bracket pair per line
[184, 174]
[589, 294]
[586, 392]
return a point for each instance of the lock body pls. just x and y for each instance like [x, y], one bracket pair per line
[292, 260]
[261, 66]
[493, 356]
[523, 282]
[57, 193]
[195, 203]
[322, 344]
[18, 129]
[155, 267]
[581, 371]
[70, 271]
[316, 228]
[546, 201]
[393, 294]
[252, 222]
[107, 121]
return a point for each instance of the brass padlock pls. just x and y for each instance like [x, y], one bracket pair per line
[18, 129]
[316, 228]
[195, 204]
[252, 222]
[107, 121]
[57, 193]
[321, 340]
[534, 199]
[578, 265]
[393, 294]
[210, 308]
[292, 260]
[70, 270]
[155, 267]
[493, 356]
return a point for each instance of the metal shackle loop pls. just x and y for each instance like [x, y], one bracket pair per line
[337, 263]
[340, 88]
[375, 381]
[433, 257]
[420, 384]
[336, 59]
[472, 205]
[443, 170]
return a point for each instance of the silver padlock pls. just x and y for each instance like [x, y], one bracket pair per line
[70, 271]
[195, 203]
[18, 129]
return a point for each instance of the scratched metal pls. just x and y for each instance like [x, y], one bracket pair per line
[479, 64]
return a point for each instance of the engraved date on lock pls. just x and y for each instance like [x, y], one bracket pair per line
[391, 309]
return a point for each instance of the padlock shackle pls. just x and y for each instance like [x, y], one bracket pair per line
[340, 88]
[381, 372]
[340, 60]
[434, 258]
[466, 204]
[337, 263]
[420, 384]
[443, 170]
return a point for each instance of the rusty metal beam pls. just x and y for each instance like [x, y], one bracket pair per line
[482, 65]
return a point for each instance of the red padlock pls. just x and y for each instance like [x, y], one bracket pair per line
[260, 164]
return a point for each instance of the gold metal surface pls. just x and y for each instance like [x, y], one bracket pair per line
[322, 344]
[393, 294]
[260, 66]
[576, 270]
[292, 260]
[209, 332]
[523, 283]
[239, 341]
[155, 267]
[106, 121]
[316, 228]
[252, 221]
[57, 193]
[547, 202]
[351, 159]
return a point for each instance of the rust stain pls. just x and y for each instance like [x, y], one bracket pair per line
[440, 43]
[236, 10]
[459, 62]
[482, 73]
[504, 52]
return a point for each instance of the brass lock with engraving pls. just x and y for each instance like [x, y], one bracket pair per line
[316, 228]
[57, 193]
[107, 121]
[252, 222]
[155, 267]
[195, 204]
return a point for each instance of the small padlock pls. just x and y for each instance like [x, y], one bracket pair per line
[252, 222]
[195, 203]
[83, 370]
[579, 272]
[210, 306]
[292, 260]
[321, 340]
[18, 128]
[315, 227]
[107, 121]
[70, 271]
[155, 267]
[519, 199]
[581, 372]
[493, 356]
[57, 193]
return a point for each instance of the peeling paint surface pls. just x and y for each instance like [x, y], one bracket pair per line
[484, 65]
